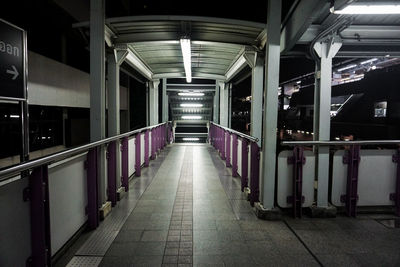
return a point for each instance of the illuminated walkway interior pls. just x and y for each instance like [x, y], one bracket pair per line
[187, 210]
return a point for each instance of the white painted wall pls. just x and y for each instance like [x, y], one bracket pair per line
[51, 83]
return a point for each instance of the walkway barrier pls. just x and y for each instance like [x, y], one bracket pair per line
[242, 153]
[46, 201]
[358, 178]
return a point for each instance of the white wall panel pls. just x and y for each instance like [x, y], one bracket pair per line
[239, 157]
[68, 199]
[141, 149]
[131, 156]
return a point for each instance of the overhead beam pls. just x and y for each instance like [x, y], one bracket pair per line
[303, 16]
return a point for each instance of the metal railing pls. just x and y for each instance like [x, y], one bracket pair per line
[8, 172]
[340, 143]
[223, 138]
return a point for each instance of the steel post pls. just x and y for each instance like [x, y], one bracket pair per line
[234, 155]
[138, 154]
[111, 169]
[297, 198]
[125, 163]
[255, 173]
[228, 149]
[245, 163]
[146, 148]
[352, 158]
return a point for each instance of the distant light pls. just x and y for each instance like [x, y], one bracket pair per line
[347, 67]
[375, 9]
[191, 94]
[191, 105]
[187, 61]
[191, 117]
[369, 61]
[14, 116]
[387, 55]
[298, 82]
[373, 67]
[190, 139]
[337, 138]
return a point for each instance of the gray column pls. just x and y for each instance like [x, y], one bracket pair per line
[322, 118]
[223, 103]
[164, 101]
[272, 60]
[257, 90]
[113, 90]
[230, 106]
[97, 87]
[153, 103]
[216, 103]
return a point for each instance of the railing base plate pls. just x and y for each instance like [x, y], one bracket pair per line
[105, 210]
[121, 193]
[267, 214]
[323, 212]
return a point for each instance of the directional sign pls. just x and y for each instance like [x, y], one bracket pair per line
[12, 61]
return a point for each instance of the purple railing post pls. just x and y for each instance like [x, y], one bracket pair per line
[297, 198]
[245, 163]
[153, 143]
[92, 185]
[125, 163]
[396, 195]
[38, 195]
[111, 170]
[223, 147]
[352, 159]
[234, 155]
[146, 148]
[228, 149]
[137, 155]
[255, 173]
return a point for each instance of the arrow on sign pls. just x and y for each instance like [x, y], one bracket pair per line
[13, 72]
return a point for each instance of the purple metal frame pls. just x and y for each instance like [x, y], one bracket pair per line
[153, 144]
[297, 198]
[125, 163]
[352, 158]
[146, 148]
[40, 218]
[255, 173]
[234, 155]
[228, 149]
[245, 163]
[92, 185]
[112, 172]
[396, 196]
[137, 155]
[223, 151]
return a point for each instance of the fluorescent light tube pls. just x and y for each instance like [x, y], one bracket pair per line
[191, 94]
[190, 139]
[373, 9]
[186, 53]
[369, 61]
[191, 117]
[347, 67]
[191, 105]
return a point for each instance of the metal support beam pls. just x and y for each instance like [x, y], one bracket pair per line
[153, 102]
[223, 103]
[97, 87]
[164, 101]
[216, 104]
[322, 118]
[257, 90]
[272, 60]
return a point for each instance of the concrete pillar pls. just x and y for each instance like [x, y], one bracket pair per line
[164, 101]
[153, 102]
[223, 103]
[272, 60]
[216, 103]
[97, 87]
[257, 90]
[322, 118]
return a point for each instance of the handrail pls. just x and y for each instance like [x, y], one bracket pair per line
[249, 137]
[340, 143]
[17, 169]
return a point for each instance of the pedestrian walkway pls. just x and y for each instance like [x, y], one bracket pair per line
[194, 214]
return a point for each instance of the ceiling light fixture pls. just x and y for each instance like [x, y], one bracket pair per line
[186, 53]
[372, 9]
[191, 117]
[369, 61]
[192, 105]
[191, 94]
[190, 139]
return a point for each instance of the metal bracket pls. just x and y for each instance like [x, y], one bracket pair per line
[26, 194]
[343, 198]
[289, 199]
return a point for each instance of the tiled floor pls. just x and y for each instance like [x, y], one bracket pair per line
[193, 213]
